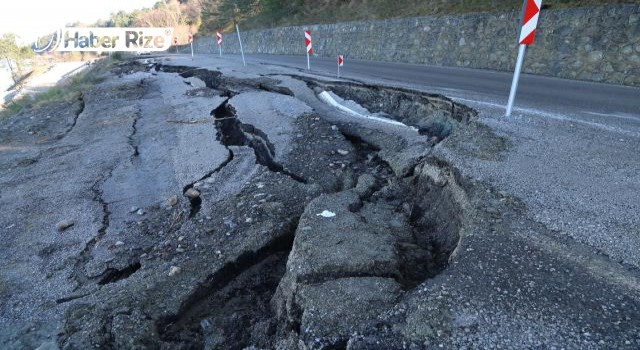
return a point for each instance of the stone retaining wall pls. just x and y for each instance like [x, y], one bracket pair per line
[590, 43]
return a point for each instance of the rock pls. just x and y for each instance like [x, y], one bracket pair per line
[229, 222]
[341, 246]
[366, 185]
[140, 212]
[334, 310]
[181, 238]
[133, 209]
[192, 193]
[64, 224]
[119, 243]
[173, 200]
[342, 152]
[195, 82]
[403, 163]
[174, 270]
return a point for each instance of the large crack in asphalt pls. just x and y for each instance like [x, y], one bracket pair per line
[244, 316]
[243, 291]
[240, 292]
[74, 122]
[257, 298]
[112, 275]
[421, 255]
[77, 114]
[78, 274]
[228, 86]
[196, 201]
[132, 137]
[232, 132]
[317, 292]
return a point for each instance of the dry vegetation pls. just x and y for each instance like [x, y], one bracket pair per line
[329, 11]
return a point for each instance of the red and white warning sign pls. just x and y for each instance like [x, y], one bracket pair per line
[340, 61]
[530, 14]
[219, 37]
[190, 38]
[530, 21]
[307, 41]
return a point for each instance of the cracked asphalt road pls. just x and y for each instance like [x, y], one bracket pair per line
[220, 207]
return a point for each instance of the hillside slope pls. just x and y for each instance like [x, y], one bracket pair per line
[274, 13]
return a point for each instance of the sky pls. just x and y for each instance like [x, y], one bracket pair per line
[32, 18]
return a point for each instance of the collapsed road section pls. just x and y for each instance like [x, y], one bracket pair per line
[242, 211]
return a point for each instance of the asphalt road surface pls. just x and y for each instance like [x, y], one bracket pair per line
[198, 203]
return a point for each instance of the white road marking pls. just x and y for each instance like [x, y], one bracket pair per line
[554, 116]
[326, 97]
[617, 115]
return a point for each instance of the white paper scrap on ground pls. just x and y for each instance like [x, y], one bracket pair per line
[327, 214]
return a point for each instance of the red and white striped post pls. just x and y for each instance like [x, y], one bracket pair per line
[307, 42]
[219, 39]
[531, 12]
[340, 63]
[191, 43]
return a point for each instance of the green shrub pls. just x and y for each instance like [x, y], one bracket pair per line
[67, 90]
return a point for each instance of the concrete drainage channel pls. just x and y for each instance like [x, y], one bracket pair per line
[357, 246]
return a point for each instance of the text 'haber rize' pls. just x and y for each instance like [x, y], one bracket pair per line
[132, 39]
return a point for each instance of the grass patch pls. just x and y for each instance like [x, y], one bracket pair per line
[67, 90]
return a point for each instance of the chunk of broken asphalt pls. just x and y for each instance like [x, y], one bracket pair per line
[173, 200]
[192, 194]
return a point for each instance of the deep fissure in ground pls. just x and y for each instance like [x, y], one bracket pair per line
[232, 132]
[234, 302]
[233, 308]
[243, 316]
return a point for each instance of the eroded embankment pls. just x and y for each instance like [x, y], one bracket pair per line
[329, 235]
[433, 115]
[377, 235]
